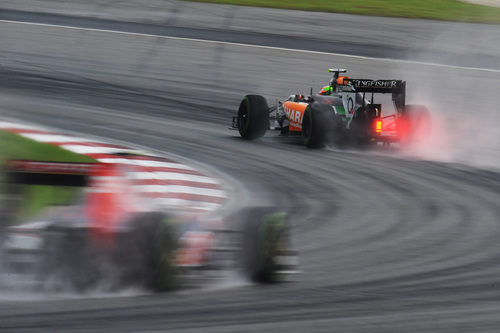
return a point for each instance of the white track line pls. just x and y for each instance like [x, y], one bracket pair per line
[8, 124]
[208, 206]
[147, 163]
[159, 175]
[84, 150]
[251, 45]
[179, 189]
[57, 138]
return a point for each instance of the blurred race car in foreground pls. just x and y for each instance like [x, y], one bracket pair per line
[109, 236]
[343, 112]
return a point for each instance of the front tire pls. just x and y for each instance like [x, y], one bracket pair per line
[149, 253]
[253, 117]
[265, 237]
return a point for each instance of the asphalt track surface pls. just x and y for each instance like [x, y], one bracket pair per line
[388, 242]
[472, 45]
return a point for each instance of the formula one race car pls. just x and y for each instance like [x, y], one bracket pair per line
[106, 239]
[343, 112]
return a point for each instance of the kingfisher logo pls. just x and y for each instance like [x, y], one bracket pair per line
[386, 84]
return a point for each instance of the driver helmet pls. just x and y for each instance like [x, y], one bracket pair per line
[326, 90]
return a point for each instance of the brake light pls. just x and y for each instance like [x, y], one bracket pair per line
[378, 126]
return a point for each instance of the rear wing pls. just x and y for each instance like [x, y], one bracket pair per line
[377, 86]
[26, 172]
[395, 87]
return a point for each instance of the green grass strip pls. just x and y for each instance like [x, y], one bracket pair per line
[14, 146]
[36, 198]
[449, 10]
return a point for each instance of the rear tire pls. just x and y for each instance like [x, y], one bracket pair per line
[318, 125]
[253, 117]
[154, 239]
[360, 128]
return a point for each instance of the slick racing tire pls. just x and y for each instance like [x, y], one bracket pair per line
[265, 236]
[253, 117]
[154, 242]
[414, 125]
[317, 125]
[361, 128]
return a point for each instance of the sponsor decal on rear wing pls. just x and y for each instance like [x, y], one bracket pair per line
[377, 86]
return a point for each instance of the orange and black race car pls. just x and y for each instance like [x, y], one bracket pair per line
[342, 112]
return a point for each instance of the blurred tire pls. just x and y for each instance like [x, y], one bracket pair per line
[155, 241]
[265, 235]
